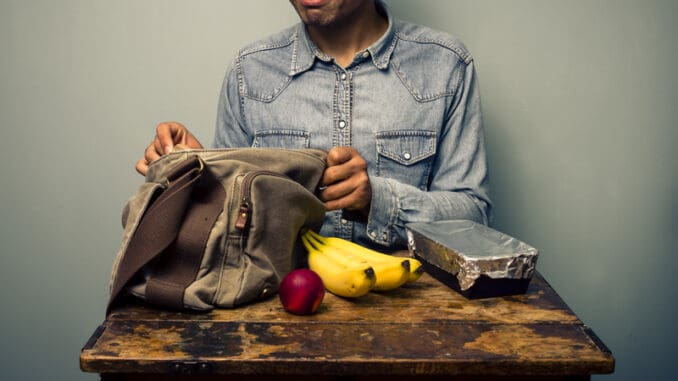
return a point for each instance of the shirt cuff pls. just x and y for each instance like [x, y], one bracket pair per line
[383, 211]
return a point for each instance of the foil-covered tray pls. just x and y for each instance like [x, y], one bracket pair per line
[471, 258]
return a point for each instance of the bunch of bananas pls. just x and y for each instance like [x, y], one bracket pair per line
[350, 270]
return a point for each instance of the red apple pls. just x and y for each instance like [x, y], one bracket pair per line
[301, 292]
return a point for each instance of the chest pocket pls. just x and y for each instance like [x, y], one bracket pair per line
[406, 155]
[291, 139]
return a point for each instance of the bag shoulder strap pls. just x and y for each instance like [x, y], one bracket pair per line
[179, 264]
[158, 226]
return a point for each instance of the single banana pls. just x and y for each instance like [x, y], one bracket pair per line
[391, 272]
[416, 269]
[341, 280]
[390, 275]
[372, 256]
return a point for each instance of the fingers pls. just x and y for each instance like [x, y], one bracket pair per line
[170, 134]
[157, 147]
[345, 180]
[353, 193]
[142, 167]
[342, 163]
[152, 153]
[167, 135]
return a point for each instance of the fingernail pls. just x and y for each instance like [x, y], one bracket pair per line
[168, 149]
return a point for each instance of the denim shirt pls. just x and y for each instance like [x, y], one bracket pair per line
[409, 104]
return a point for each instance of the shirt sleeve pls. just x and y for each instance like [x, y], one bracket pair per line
[231, 128]
[459, 188]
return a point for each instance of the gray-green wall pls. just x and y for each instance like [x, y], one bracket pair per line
[580, 101]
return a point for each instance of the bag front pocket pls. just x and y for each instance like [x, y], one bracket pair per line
[268, 210]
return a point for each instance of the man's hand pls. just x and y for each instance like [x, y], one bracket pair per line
[346, 183]
[167, 135]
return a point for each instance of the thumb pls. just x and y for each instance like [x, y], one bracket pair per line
[339, 155]
[178, 134]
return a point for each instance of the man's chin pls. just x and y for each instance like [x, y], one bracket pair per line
[317, 18]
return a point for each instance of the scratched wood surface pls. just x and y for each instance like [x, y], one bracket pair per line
[423, 328]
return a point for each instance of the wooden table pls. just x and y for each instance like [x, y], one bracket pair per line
[423, 329]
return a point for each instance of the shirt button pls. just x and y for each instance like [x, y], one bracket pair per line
[366, 54]
[407, 156]
[373, 234]
[342, 124]
[343, 76]
[344, 221]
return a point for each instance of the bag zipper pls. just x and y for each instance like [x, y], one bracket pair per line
[246, 187]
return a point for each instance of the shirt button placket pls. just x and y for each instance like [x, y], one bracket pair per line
[343, 109]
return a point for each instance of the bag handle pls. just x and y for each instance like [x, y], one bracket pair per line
[159, 225]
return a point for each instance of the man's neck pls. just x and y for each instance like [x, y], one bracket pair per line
[343, 40]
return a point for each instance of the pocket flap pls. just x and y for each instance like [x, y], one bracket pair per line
[406, 147]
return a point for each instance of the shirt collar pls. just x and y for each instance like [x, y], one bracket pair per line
[306, 51]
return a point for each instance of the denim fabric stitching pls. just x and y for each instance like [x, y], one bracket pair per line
[267, 99]
[241, 91]
[289, 133]
[448, 44]
[257, 49]
[415, 94]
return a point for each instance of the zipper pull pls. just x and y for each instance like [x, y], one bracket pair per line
[243, 215]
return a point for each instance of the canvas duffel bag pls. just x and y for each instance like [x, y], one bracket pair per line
[217, 228]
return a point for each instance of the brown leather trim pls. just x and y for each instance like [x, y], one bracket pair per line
[178, 266]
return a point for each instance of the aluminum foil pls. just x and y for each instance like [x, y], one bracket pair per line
[468, 250]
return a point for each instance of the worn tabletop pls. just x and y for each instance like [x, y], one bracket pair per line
[423, 328]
